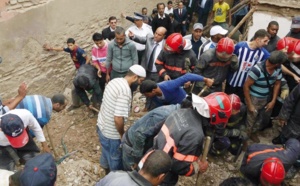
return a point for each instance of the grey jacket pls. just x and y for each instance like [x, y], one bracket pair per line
[121, 58]
[149, 42]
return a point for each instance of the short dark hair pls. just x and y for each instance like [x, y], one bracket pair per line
[273, 23]
[58, 98]
[157, 163]
[147, 86]
[71, 40]
[170, 2]
[144, 8]
[236, 181]
[112, 18]
[154, 11]
[120, 30]
[82, 81]
[277, 57]
[171, 15]
[158, 4]
[97, 37]
[261, 33]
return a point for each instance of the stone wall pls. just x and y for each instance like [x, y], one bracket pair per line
[22, 38]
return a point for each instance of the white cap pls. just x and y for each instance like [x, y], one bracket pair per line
[138, 70]
[201, 106]
[217, 29]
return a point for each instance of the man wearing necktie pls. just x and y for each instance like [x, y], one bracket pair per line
[154, 44]
[180, 15]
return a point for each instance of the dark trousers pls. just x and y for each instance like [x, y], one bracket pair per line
[202, 18]
[140, 55]
[235, 90]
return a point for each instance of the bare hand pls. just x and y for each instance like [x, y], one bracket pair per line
[22, 91]
[269, 106]
[209, 82]
[282, 122]
[252, 109]
[296, 78]
[203, 165]
[107, 78]
[46, 47]
[167, 78]
[187, 84]
[130, 34]
[123, 15]
[99, 73]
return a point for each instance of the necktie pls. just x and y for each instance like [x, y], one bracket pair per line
[180, 12]
[151, 58]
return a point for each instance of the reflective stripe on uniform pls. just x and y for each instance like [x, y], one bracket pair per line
[263, 152]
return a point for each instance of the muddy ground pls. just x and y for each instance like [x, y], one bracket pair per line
[78, 132]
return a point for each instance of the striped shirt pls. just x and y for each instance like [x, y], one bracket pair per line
[116, 102]
[247, 58]
[260, 87]
[39, 106]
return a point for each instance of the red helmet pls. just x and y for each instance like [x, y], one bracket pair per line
[219, 107]
[174, 43]
[297, 47]
[225, 45]
[286, 42]
[235, 101]
[272, 171]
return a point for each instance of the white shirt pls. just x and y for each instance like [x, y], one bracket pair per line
[168, 11]
[157, 51]
[4, 177]
[161, 17]
[142, 32]
[203, 3]
[28, 121]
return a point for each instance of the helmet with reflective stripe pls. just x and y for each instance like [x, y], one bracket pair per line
[272, 171]
[174, 43]
[288, 42]
[219, 107]
[235, 101]
[225, 45]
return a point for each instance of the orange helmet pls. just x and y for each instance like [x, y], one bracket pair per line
[174, 43]
[219, 107]
[235, 101]
[225, 45]
[286, 42]
[272, 171]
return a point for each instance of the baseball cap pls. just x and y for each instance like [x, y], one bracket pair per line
[296, 22]
[40, 170]
[201, 105]
[14, 130]
[137, 17]
[198, 26]
[138, 70]
[217, 29]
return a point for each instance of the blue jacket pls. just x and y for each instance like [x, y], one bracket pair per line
[172, 90]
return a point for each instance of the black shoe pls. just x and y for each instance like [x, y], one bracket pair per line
[277, 140]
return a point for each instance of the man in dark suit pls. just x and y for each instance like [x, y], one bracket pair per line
[154, 44]
[109, 32]
[175, 25]
[162, 19]
[180, 15]
[205, 7]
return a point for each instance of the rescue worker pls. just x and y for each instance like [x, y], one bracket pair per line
[181, 135]
[234, 135]
[176, 59]
[215, 63]
[268, 164]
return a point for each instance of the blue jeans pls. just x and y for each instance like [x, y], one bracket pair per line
[111, 156]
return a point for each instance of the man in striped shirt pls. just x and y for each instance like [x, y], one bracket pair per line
[249, 53]
[113, 114]
[257, 90]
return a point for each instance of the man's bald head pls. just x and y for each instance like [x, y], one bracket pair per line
[160, 34]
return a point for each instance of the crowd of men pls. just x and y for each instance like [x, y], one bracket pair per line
[194, 87]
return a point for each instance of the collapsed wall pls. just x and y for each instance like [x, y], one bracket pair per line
[51, 21]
